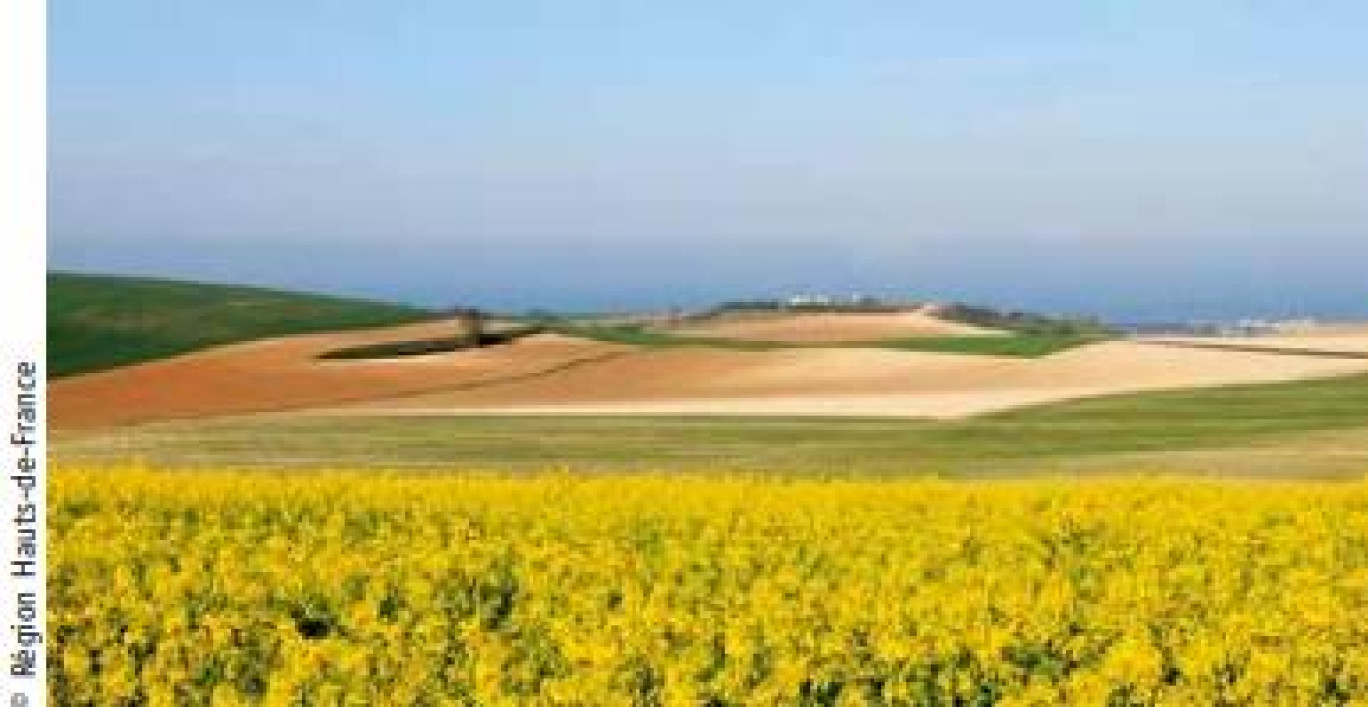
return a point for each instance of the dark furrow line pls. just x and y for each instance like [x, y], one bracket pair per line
[500, 380]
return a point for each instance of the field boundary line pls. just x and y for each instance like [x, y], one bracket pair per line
[1248, 348]
[439, 388]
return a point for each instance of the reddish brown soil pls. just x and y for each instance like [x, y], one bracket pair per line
[284, 374]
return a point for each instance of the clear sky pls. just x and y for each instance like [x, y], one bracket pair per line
[1138, 159]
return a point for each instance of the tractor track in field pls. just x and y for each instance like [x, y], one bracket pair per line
[481, 382]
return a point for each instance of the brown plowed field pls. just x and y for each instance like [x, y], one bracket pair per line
[284, 374]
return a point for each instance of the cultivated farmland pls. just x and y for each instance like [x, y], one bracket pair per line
[209, 588]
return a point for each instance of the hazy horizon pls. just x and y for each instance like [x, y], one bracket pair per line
[1138, 161]
[625, 279]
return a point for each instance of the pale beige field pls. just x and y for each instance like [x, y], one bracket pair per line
[834, 327]
[858, 382]
[1325, 342]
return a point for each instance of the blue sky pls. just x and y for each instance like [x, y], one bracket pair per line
[1137, 159]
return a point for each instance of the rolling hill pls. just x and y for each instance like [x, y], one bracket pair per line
[97, 322]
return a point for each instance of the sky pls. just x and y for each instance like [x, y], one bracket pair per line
[1139, 160]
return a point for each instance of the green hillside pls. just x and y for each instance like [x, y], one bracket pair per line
[1017, 343]
[102, 321]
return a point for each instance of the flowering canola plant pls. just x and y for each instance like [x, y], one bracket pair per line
[347, 588]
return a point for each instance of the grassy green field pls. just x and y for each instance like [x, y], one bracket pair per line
[1020, 344]
[1016, 344]
[98, 321]
[1312, 428]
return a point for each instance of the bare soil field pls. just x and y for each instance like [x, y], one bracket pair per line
[833, 327]
[858, 382]
[1348, 343]
[549, 373]
[284, 374]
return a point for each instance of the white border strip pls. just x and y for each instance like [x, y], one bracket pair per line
[23, 304]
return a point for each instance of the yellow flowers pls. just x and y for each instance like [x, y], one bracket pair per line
[246, 588]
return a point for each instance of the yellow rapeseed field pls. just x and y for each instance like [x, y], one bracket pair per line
[349, 588]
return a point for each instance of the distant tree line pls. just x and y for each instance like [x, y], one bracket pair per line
[1025, 322]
